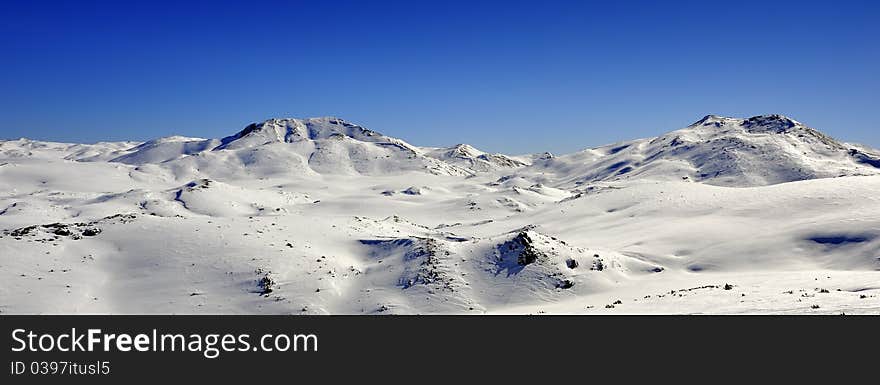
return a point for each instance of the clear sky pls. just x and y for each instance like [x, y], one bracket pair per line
[505, 76]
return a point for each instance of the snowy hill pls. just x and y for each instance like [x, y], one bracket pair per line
[757, 151]
[318, 145]
[318, 216]
[466, 156]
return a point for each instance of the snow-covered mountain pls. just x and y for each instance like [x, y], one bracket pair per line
[320, 215]
[466, 156]
[757, 151]
[308, 146]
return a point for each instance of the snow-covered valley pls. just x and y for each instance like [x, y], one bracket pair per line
[322, 216]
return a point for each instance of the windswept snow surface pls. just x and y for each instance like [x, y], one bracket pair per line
[322, 216]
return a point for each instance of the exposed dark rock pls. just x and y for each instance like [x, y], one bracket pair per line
[265, 285]
[528, 253]
[91, 232]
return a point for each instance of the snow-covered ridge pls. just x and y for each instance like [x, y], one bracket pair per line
[756, 151]
[759, 150]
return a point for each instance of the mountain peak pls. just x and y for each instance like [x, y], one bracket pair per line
[465, 150]
[291, 130]
[759, 123]
[707, 120]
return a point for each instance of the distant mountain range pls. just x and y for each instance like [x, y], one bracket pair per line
[761, 150]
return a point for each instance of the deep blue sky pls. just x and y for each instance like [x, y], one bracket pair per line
[505, 76]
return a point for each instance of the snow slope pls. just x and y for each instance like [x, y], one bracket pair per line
[319, 216]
